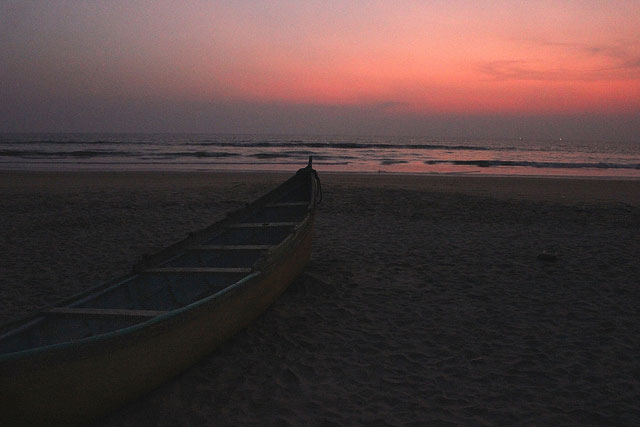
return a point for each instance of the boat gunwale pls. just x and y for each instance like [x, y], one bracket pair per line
[261, 266]
[36, 351]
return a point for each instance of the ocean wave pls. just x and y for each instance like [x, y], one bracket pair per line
[149, 155]
[201, 154]
[269, 155]
[251, 143]
[339, 145]
[58, 154]
[515, 163]
[71, 142]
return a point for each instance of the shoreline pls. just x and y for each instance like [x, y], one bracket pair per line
[326, 172]
[53, 167]
[550, 188]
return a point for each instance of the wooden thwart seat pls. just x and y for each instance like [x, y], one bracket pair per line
[286, 204]
[103, 312]
[263, 224]
[197, 270]
[230, 247]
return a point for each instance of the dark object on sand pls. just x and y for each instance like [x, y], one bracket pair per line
[547, 256]
[99, 349]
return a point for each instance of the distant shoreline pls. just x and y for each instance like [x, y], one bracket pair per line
[4, 170]
[540, 188]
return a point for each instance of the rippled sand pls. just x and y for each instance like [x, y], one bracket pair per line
[425, 301]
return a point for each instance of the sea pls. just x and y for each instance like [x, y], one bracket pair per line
[331, 153]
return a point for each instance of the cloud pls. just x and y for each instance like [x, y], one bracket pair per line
[622, 55]
[632, 64]
[519, 70]
[616, 61]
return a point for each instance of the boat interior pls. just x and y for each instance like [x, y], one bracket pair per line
[223, 258]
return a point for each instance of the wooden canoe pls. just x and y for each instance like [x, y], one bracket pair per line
[80, 358]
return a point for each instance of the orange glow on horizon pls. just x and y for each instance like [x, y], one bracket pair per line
[481, 67]
[403, 57]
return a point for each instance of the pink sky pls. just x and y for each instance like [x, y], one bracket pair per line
[396, 57]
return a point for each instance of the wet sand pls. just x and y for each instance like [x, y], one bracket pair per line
[424, 302]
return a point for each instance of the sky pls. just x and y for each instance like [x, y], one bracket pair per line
[427, 68]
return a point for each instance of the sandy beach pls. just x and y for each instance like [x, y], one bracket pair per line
[425, 301]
